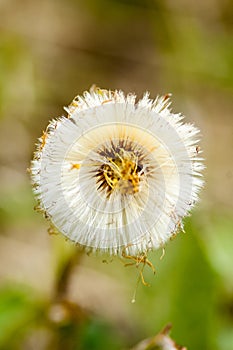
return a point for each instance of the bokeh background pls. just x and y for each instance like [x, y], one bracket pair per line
[51, 296]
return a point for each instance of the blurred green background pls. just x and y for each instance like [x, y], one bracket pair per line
[52, 297]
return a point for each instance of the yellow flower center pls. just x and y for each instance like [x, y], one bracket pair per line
[122, 172]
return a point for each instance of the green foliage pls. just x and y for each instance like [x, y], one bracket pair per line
[97, 335]
[184, 289]
[19, 309]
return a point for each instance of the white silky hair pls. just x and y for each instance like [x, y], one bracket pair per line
[170, 175]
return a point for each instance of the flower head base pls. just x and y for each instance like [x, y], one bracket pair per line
[116, 175]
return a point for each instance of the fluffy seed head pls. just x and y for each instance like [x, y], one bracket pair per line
[116, 174]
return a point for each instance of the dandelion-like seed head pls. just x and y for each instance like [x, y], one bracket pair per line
[117, 175]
